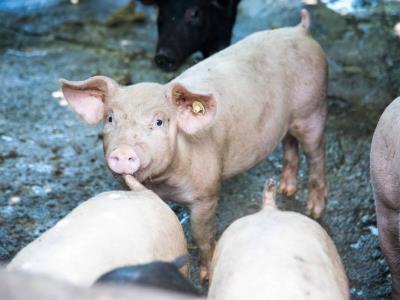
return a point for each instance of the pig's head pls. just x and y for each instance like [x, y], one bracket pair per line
[191, 25]
[142, 122]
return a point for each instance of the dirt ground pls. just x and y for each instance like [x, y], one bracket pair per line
[50, 161]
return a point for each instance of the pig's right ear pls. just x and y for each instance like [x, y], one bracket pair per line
[87, 97]
[195, 110]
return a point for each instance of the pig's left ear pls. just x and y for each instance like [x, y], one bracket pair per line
[87, 97]
[195, 110]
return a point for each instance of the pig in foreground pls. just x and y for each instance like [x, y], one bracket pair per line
[385, 180]
[111, 230]
[218, 119]
[187, 26]
[17, 285]
[159, 274]
[276, 255]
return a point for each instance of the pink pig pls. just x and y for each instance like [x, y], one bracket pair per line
[275, 254]
[217, 119]
[385, 180]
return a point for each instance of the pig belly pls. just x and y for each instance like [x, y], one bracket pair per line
[247, 154]
[280, 255]
[105, 232]
[255, 137]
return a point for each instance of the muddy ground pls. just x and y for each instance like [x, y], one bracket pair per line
[50, 161]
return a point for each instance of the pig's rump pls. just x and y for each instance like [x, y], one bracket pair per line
[277, 255]
[110, 230]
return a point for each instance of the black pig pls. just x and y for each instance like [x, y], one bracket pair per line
[164, 275]
[186, 26]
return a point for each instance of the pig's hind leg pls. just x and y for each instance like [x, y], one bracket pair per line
[290, 165]
[310, 133]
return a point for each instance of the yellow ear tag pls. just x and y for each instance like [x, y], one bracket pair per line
[198, 107]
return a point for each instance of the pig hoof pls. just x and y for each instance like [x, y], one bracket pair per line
[203, 275]
[288, 189]
[315, 210]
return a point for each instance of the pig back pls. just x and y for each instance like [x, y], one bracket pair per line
[385, 157]
[277, 255]
[110, 230]
[262, 85]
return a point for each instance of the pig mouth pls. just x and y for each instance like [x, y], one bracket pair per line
[141, 174]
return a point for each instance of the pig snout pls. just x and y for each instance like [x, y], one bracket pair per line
[166, 59]
[123, 160]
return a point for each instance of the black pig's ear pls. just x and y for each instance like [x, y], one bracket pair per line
[149, 2]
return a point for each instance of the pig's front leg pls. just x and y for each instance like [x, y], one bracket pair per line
[202, 223]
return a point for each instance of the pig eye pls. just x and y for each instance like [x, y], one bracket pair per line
[158, 121]
[110, 118]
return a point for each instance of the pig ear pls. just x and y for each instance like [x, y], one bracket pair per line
[87, 97]
[195, 110]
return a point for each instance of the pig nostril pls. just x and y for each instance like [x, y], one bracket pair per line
[132, 158]
[115, 158]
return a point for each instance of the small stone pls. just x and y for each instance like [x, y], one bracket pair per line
[6, 138]
[57, 94]
[47, 189]
[63, 102]
[356, 245]
[310, 2]
[397, 29]
[37, 190]
[125, 43]
[374, 230]
[14, 200]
